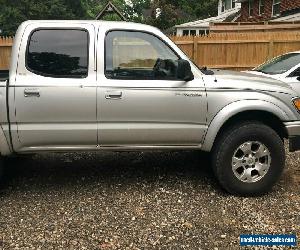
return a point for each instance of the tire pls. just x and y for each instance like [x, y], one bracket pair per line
[248, 174]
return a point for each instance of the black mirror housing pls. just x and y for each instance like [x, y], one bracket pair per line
[184, 71]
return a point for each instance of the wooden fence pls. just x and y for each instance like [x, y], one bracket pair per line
[5, 51]
[234, 51]
[237, 51]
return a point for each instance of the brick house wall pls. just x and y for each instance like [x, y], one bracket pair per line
[285, 6]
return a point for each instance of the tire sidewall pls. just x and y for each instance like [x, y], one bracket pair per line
[253, 132]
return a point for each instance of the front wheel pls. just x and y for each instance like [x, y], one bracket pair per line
[248, 159]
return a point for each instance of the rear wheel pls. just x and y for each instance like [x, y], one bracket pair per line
[248, 159]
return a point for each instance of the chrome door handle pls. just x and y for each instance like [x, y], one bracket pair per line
[32, 93]
[114, 95]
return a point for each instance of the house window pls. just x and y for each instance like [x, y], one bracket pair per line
[261, 7]
[193, 33]
[202, 32]
[250, 7]
[227, 5]
[189, 32]
[276, 7]
[186, 32]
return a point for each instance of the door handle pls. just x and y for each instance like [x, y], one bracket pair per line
[32, 93]
[114, 95]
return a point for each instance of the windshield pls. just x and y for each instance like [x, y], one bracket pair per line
[279, 65]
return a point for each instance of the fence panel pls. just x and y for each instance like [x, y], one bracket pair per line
[238, 51]
[5, 51]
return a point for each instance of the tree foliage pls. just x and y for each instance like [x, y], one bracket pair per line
[160, 13]
[14, 12]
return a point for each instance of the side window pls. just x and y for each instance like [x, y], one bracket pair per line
[137, 55]
[58, 53]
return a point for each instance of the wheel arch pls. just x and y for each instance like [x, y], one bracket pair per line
[256, 110]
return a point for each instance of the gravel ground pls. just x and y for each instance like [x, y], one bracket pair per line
[151, 200]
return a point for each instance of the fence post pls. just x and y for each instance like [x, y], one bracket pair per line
[195, 50]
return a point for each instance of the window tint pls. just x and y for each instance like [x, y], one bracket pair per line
[138, 55]
[58, 53]
[280, 65]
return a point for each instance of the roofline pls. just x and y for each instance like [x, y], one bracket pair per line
[212, 19]
[110, 4]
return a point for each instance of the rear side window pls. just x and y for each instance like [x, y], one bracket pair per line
[58, 53]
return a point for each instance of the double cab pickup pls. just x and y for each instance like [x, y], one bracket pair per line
[92, 86]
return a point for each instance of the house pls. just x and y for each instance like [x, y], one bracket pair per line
[110, 9]
[265, 10]
[228, 10]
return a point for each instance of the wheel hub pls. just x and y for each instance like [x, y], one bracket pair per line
[251, 161]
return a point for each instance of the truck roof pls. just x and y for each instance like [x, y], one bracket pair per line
[108, 24]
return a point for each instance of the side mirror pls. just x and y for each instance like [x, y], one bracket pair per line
[298, 78]
[184, 71]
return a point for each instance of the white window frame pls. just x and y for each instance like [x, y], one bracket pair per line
[279, 3]
[223, 6]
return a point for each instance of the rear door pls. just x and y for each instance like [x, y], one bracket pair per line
[139, 106]
[55, 89]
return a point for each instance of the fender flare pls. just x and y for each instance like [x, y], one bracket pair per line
[238, 107]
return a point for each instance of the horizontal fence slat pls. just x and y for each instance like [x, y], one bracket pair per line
[230, 66]
[232, 41]
[184, 42]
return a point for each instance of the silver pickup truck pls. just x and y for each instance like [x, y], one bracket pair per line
[92, 86]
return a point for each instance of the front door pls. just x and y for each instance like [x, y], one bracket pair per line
[141, 102]
[55, 90]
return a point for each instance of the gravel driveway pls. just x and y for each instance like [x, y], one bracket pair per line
[151, 200]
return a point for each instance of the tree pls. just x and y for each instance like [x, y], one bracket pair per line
[177, 12]
[14, 12]
[164, 14]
